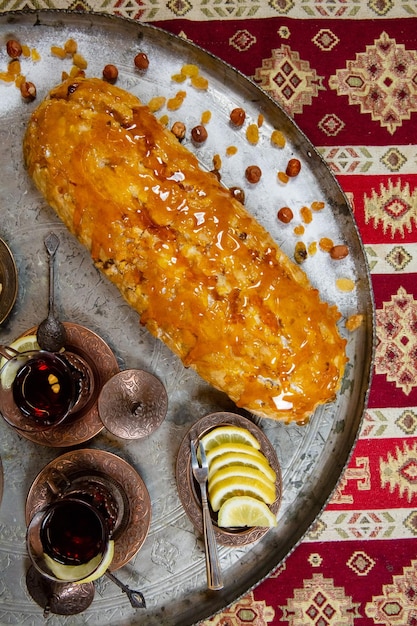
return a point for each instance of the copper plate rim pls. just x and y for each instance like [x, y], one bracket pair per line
[87, 425]
[131, 539]
[185, 482]
[8, 276]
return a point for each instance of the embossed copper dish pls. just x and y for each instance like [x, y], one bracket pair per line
[134, 530]
[188, 493]
[8, 281]
[133, 404]
[86, 423]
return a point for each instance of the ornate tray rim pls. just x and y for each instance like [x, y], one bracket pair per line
[224, 599]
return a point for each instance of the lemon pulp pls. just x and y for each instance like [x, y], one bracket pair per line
[80, 573]
[240, 486]
[241, 511]
[228, 434]
[22, 344]
[234, 458]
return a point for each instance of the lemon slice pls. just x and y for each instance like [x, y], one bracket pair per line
[229, 434]
[242, 511]
[240, 471]
[22, 344]
[100, 571]
[80, 573]
[234, 458]
[239, 448]
[240, 486]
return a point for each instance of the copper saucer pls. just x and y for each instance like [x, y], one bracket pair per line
[134, 530]
[189, 494]
[86, 423]
[8, 281]
[133, 404]
[58, 598]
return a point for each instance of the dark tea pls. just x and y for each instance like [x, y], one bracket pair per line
[43, 389]
[72, 533]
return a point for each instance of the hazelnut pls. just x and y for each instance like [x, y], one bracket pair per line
[199, 134]
[253, 174]
[237, 116]
[110, 73]
[178, 129]
[285, 215]
[28, 90]
[14, 49]
[238, 193]
[293, 168]
[339, 252]
[141, 61]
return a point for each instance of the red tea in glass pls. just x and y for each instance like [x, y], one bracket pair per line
[44, 389]
[72, 532]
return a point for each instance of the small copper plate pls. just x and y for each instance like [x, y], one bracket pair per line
[187, 488]
[138, 503]
[133, 404]
[8, 281]
[85, 424]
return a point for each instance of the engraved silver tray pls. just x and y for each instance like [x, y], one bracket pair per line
[169, 568]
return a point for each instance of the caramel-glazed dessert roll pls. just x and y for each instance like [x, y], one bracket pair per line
[205, 277]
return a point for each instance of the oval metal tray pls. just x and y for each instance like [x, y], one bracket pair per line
[170, 567]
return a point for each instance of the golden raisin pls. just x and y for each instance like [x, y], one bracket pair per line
[231, 150]
[14, 49]
[199, 134]
[238, 116]
[253, 174]
[345, 284]
[141, 61]
[205, 117]
[252, 133]
[70, 47]
[300, 253]
[260, 119]
[58, 52]
[156, 103]
[199, 82]
[353, 322]
[283, 177]
[110, 73]
[317, 206]
[312, 248]
[79, 61]
[306, 215]
[339, 252]
[278, 139]
[285, 215]
[217, 162]
[174, 103]
[293, 168]
[299, 230]
[326, 244]
[189, 70]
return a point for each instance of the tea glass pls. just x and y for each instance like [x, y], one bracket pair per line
[68, 539]
[39, 389]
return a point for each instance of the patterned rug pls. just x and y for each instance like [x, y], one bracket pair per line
[346, 71]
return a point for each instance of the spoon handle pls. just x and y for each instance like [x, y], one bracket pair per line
[51, 244]
[136, 598]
